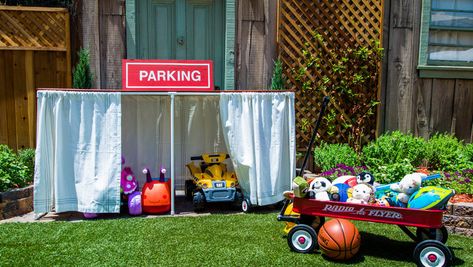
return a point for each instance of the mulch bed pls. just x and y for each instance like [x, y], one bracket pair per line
[461, 198]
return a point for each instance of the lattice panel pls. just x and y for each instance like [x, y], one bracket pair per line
[33, 28]
[342, 25]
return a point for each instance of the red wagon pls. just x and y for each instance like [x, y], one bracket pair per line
[431, 234]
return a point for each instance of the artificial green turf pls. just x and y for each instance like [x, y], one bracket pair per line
[215, 240]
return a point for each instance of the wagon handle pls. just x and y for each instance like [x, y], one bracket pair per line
[314, 134]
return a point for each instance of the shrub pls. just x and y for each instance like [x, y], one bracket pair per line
[390, 173]
[13, 173]
[277, 81]
[26, 157]
[468, 152]
[445, 152]
[393, 149]
[82, 76]
[327, 156]
[460, 181]
[342, 169]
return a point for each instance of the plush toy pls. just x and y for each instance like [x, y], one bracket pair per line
[128, 181]
[131, 197]
[319, 188]
[339, 192]
[365, 177]
[362, 194]
[299, 188]
[406, 187]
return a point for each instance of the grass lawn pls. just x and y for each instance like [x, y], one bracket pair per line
[216, 240]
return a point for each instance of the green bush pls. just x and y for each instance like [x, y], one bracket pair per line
[277, 81]
[15, 170]
[468, 152]
[390, 173]
[446, 153]
[327, 156]
[460, 181]
[394, 148]
[82, 77]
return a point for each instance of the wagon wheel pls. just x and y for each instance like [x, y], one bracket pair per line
[440, 234]
[432, 253]
[314, 221]
[302, 239]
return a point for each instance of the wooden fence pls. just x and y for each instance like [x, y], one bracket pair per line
[315, 36]
[422, 106]
[34, 52]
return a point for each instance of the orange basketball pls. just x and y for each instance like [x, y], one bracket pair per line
[339, 239]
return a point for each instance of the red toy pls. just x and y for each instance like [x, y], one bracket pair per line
[156, 194]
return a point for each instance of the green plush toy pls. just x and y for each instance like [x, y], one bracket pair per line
[300, 187]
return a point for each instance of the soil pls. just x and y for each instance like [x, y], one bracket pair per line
[461, 198]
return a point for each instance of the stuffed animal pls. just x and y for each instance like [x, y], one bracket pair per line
[299, 188]
[128, 181]
[319, 188]
[365, 177]
[362, 194]
[406, 187]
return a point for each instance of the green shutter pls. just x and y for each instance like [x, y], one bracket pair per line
[424, 32]
[230, 17]
[130, 29]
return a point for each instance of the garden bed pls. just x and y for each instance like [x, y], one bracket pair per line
[16, 202]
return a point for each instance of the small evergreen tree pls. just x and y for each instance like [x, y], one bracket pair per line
[277, 81]
[82, 75]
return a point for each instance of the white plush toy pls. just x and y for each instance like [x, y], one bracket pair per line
[362, 194]
[319, 188]
[407, 186]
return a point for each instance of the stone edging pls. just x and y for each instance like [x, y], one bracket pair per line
[458, 219]
[16, 202]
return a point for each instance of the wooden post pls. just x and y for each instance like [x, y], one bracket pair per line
[91, 37]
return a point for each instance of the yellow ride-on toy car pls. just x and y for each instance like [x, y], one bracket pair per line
[212, 182]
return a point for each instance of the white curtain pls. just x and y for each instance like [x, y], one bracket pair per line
[78, 152]
[260, 135]
[146, 132]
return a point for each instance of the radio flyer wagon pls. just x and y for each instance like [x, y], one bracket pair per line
[431, 234]
[305, 217]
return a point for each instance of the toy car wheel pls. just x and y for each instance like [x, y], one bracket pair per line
[440, 234]
[246, 205]
[238, 200]
[302, 239]
[189, 189]
[199, 201]
[432, 253]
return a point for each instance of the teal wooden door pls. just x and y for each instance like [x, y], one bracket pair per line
[182, 29]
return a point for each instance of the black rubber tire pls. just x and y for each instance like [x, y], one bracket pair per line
[432, 253]
[238, 200]
[440, 234]
[189, 189]
[199, 201]
[246, 205]
[302, 239]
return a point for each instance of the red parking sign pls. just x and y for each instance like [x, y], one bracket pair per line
[167, 75]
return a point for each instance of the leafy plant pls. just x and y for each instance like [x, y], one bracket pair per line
[394, 148]
[468, 152]
[27, 157]
[460, 181]
[342, 169]
[390, 173]
[13, 173]
[277, 81]
[445, 152]
[82, 75]
[328, 156]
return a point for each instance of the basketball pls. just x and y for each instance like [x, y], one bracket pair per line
[339, 239]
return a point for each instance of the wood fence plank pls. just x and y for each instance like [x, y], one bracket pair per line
[3, 100]
[10, 101]
[31, 97]
[424, 99]
[256, 56]
[20, 99]
[463, 110]
[253, 10]
[442, 105]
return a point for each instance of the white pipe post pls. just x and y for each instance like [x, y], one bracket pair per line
[172, 154]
